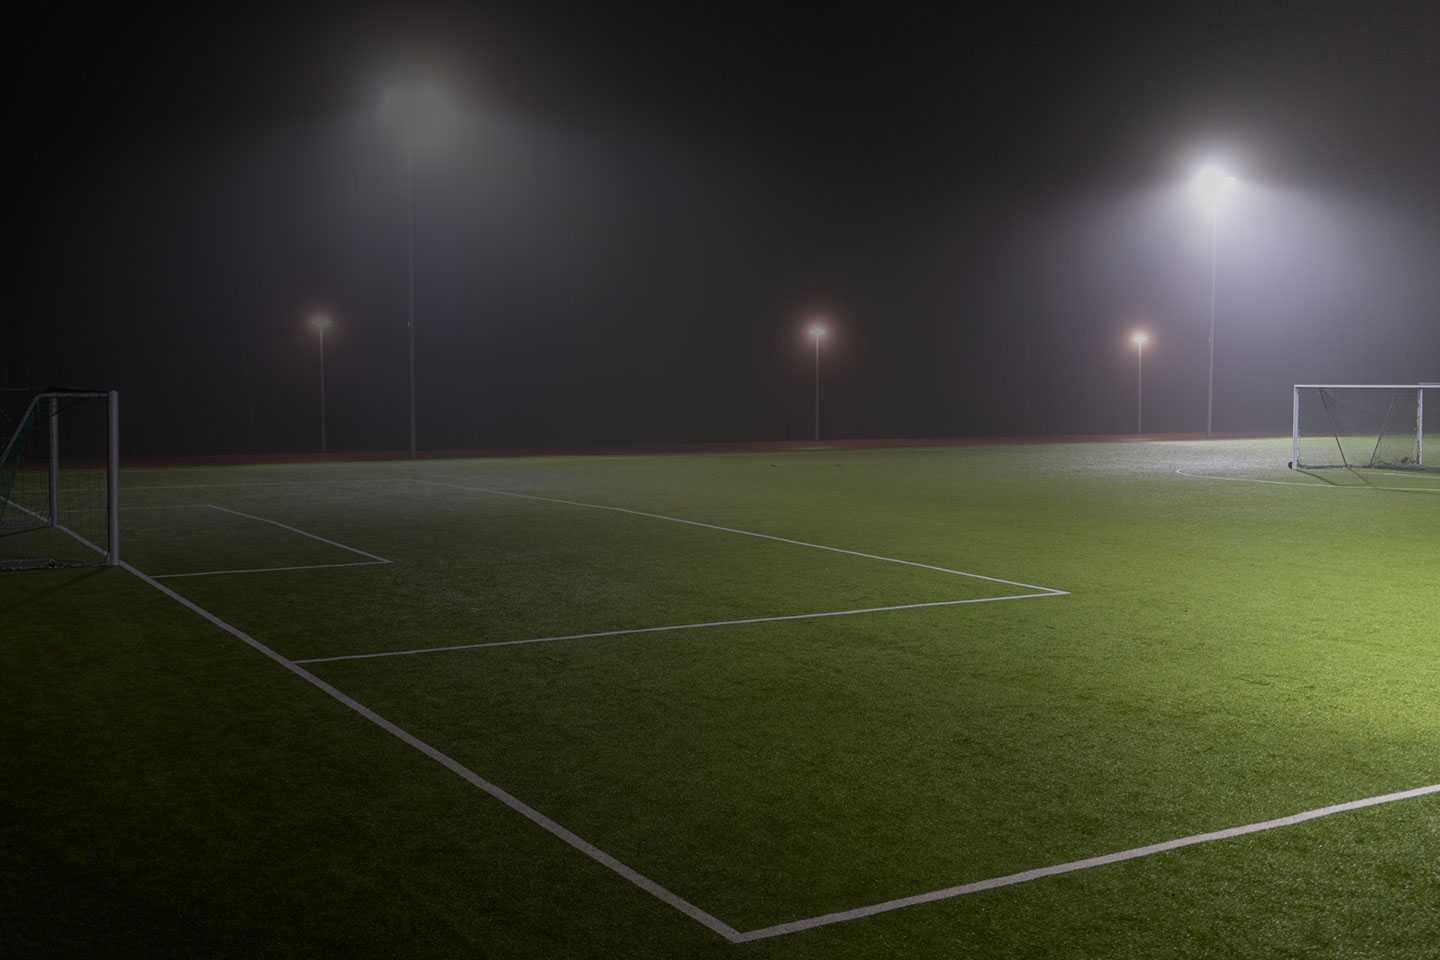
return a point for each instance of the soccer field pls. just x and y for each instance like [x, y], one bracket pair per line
[818, 703]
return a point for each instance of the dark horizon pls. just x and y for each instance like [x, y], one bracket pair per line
[629, 222]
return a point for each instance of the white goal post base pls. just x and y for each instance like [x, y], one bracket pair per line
[1361, 425]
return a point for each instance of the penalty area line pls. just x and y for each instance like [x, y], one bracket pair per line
[1136, 853]
[572, 839]
[631, 631]
[301, 566]
[304, 533]
[1052, 591]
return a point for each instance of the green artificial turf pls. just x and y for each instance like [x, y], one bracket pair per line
[1228, 652]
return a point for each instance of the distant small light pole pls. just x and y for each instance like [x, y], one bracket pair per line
[1212, 185]
[322, 322]
[1140, 339]
[817, 333]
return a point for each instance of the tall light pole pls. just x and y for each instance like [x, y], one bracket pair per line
[1212, 185]
[1140, 339]
[422, 115]
[322, 322]
[410, 273]
[817, 333]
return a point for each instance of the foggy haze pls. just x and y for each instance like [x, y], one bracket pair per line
[626, 222]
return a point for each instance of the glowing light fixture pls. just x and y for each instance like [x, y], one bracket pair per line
[1212, 184]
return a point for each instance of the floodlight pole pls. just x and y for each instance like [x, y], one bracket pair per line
[323, 444]
[1139, 386]
[1214, 258]
[410, 259]
[817, 385]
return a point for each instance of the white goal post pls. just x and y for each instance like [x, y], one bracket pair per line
[60, 470]
[1363, 425]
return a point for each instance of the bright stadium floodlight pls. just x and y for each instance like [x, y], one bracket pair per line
[322, 322]
[1140, 338]
[817, 333]
[1212, 185]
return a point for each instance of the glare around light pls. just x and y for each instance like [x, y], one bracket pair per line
[321, 321]
[422, 111]
[1140, 338]
[818, 331]
[1211, 184]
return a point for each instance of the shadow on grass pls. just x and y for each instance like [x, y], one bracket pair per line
[1369, 483]
[78, 575]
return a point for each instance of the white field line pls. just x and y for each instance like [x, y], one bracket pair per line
[128, 509]
[1317, 485]
[456, 767]
[142, 487]
[59, 526]
[370, 561]
[679, 626]
[707, 920]
[843, 916]
[303, 533]
[302, 566]
[1049, 591]
[631, 631]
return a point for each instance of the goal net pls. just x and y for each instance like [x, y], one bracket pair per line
[59, 479]
[1375, 426]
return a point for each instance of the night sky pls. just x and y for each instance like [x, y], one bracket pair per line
[622, 223]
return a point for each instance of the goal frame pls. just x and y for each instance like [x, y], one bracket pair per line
[52, 399]
[1419, 389]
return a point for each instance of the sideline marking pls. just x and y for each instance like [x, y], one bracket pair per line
[456, 767]
[810, 923]
[1317, 485]
[571, 838]
[678, 626]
